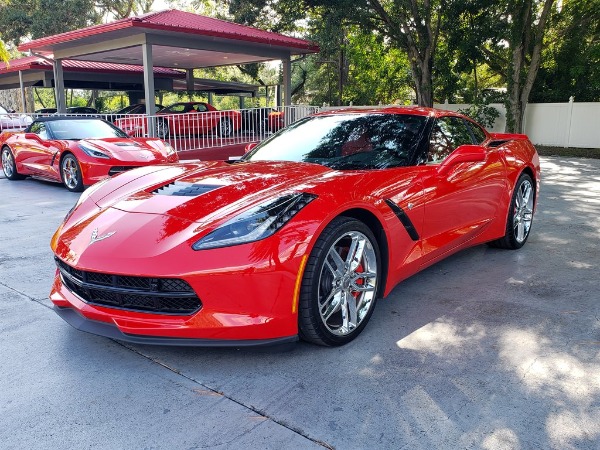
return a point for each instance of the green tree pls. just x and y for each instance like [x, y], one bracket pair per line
[571, 59]
[34, 19]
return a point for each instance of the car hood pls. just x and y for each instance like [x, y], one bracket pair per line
[127, 149]
[159, 210]
[212, 191]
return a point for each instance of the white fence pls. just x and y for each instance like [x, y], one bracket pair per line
[568, 124]
[193, 129]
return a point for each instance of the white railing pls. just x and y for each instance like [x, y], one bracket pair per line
[199, 130]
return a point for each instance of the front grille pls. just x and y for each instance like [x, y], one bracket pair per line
[144, 294]
[118, 169]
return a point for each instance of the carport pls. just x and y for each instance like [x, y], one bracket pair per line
[38, 71]
[170, 39]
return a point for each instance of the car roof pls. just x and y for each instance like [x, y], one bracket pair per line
[414, 110]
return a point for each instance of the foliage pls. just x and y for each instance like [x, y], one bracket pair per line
[4, 55]
[571, 58]
[20, 19]
[481, 112]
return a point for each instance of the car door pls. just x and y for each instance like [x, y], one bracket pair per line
[37, 154]
[462, 200]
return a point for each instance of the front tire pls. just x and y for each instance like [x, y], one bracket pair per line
[340, 283]
[70, 171]
[9, 166]
[520, 215]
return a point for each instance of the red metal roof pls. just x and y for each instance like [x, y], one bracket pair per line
[71, 65]
[181, 22]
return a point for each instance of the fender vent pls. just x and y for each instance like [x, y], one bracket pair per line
[183, 189]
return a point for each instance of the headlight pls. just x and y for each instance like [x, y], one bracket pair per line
[93, 152]
[256, 223]
[169, 148]
[84, 196]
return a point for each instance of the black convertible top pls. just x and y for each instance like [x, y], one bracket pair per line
[55, 118]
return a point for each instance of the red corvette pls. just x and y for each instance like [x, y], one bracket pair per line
[299, 238]
[77, 151]
[186, 118]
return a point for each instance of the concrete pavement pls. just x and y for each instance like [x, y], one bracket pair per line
[489, 349]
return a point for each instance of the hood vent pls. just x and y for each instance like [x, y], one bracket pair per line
[183, 189]
[127, 144]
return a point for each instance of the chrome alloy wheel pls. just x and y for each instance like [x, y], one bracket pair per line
[347, 283]
[70, 172]
[7, 162]
[523, 212]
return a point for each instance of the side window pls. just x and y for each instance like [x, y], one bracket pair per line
[43, 133]
[478, 132]
[39, 128]
[448, 133]
[35, 127]
[199, 107]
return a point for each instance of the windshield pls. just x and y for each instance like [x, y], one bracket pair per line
[347, 141]
[83, 129]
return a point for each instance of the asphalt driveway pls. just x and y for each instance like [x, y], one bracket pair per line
[489, 349]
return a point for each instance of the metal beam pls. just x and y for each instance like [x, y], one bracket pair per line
[189, 80]
[149, 87]
[287, 81]
[22, 86]
[99, 47]
[59, 87]
[215, 45]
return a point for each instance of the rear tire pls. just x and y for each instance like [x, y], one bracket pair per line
[162, 129]
[225, 127]
[520, 215]
[340, 283]
[9, 166]
[70, 172]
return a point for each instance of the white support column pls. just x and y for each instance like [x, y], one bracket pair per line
[59, 87]
[189, 80]
[149, 87]
[287, 81]
[22, 86]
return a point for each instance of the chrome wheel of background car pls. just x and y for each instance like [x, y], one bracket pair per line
[520, 215]
[71, 173]
[340, 283]
[162, 129]
[9, 166]
[225, 127]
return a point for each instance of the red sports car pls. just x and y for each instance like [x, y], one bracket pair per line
[188, 118]
[299, 238]
[77, 151]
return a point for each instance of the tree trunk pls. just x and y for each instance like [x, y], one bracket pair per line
[525, 59]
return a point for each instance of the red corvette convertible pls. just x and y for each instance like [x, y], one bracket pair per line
[187, 118]
[299, 238]
[77, 151]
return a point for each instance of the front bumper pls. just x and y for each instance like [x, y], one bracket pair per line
[104, 329]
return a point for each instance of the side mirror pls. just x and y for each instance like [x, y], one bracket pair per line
[463, 154]
[250, 146]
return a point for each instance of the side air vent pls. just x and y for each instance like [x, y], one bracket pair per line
[498, 143]
[183, 189]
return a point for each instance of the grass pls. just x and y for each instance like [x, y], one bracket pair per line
[568, 152]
